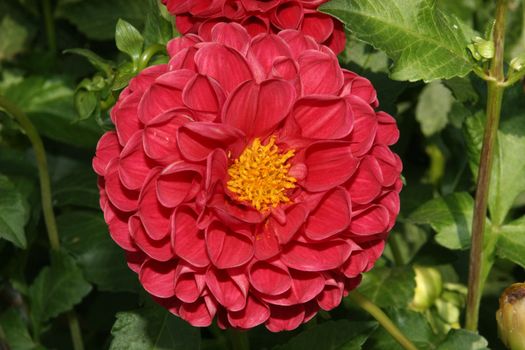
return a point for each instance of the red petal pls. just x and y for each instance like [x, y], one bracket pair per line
[320, 73]
[318, 25]
[119, 232]
[305, 287]
[356, 264]
[365, 126]
[232, 35]
[285, 318]
[179, 182]
[370, 221]
[160, 138]
[198, 139]
[225, 290]
[226, 248]
[270, 279]
[203, 94]
[158, 278]
[257, 109]
[255, 313]
[134, 166]
[154, 216]
[323, 117]
[108, 148]
[121, 197]
[177, 44]
[188, 240]
[295, 217]
[255, 25]
[298, 42]
[263, 51]
[331, 296]
[266, 245]
[387, 132]
[197, 314]
[288, 15]
[125, 116]
[158, 250]
[337, 41]
[320, 256]
[223, 64]
[390, 164]
[331, 216]
[365, 185]
[329, 164]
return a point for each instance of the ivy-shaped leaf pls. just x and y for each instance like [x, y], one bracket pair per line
[14, 213]
[464, 340]
[424, 42]
[389, 286]
[56, 289]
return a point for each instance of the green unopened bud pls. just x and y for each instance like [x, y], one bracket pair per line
[518, 63]
[481, 49]
[511, 317]
[429, 285]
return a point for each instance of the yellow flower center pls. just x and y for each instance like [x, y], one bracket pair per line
[260, 175]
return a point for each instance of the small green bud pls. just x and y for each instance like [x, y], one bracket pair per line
[481, 49]
[511, 317]
[429, 285]
[518, 63]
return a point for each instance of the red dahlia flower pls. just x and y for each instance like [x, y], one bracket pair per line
[249, 179]
[258, 16]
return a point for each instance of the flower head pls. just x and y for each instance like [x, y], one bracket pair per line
[511, 317]
[249, 179]
[199, 17]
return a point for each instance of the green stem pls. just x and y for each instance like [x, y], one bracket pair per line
[239, 339]
[148, 54]
[45, 191]
[360, 300]
[50, 25]
[496, 88]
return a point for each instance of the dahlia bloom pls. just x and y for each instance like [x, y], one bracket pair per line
[199, 16]
[249, 179]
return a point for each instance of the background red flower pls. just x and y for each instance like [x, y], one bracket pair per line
[249, 179]
[199, 17]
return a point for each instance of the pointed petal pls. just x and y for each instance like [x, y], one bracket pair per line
[226, 248]
[320, 256]
[269, 278]
[158, 278]
[323, 117]
[329, 164]
[188, 241]
[257, 109]
[331, 216]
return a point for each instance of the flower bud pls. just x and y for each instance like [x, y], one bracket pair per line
[429, 285]
[511, 317]
[481, 49]
[518, 63]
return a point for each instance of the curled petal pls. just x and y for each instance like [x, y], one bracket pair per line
[227, 248]
[331, 217]
[255, 313]
[270, 279]
[320, 256]
[188, 241]
[285, 318]
[158, 278]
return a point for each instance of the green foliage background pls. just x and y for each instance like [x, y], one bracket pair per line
[414, 52]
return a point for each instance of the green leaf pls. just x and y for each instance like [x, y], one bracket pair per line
[157, 30]
[153, 328]
[508, 180]
[412, 324]
[14, 213]
[97, 18]
[433, 107]
[129, 40]
[511, 242]
[464, 340]
[424, 42]
[389, 286]
[49, 105]
[450, 217]
[56, 289]
[16, 332]
[86, 103]
[101, 260]
[332, 335]
[78, 188]
[16, 28]
[473, 132]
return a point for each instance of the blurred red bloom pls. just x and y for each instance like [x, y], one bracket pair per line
[258, 16]
[249, 178]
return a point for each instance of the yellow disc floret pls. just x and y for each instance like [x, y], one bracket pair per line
[260, 175]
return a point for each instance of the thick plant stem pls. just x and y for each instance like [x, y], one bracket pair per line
[239, 339]
[496, 88]
[360, 300]
[50, 25]
[45, 191]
